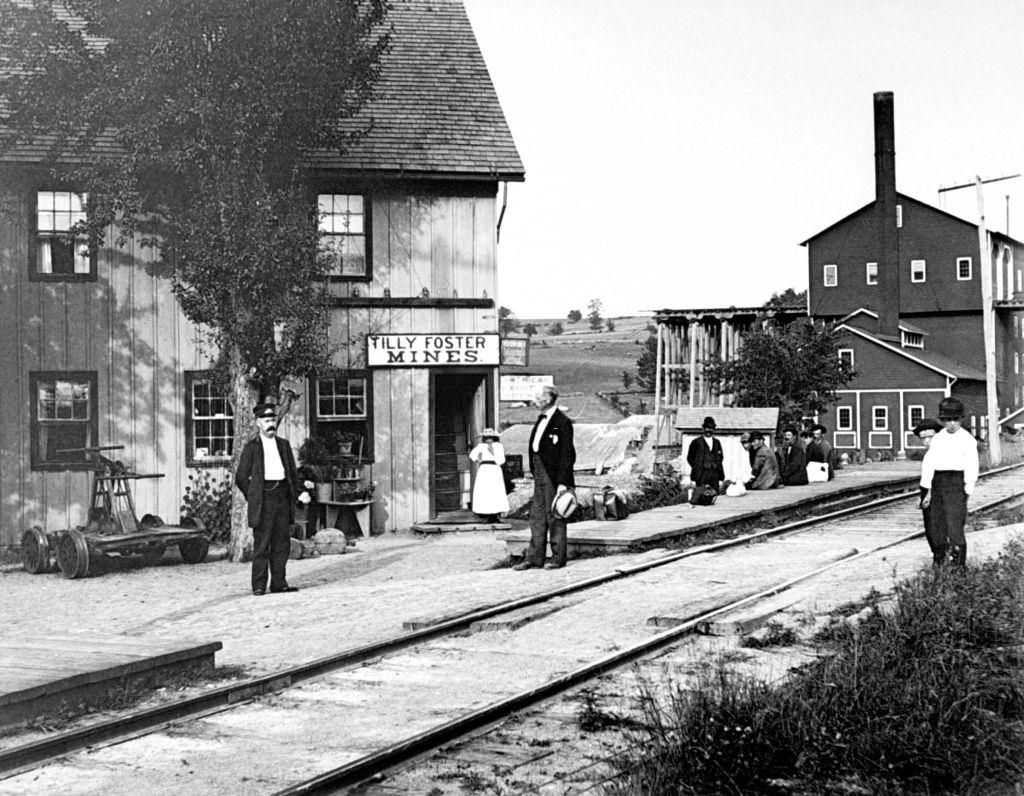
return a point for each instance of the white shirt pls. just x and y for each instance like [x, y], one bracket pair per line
[273, 467]
[543, 424]
[956, 451]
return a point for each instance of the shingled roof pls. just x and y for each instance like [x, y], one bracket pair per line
[435, 111]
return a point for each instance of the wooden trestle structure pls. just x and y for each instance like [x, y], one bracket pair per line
[687, 340]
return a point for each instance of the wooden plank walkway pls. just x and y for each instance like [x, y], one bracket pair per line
[669, 522]
[43, 673]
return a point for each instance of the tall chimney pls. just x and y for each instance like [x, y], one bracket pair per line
[885, 209]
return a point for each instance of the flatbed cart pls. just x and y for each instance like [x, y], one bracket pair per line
[113, 526]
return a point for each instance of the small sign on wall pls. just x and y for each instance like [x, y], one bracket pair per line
[419, 350]
[514, 387]
[515, 351]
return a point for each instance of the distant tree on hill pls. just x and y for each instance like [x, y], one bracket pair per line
[556, 328]
[507, 321]
[575, 316]
[529, 329]
[796, 368]
[647, 363]
[594, 316]
[627, 379]
[609, 325]
[787, 298]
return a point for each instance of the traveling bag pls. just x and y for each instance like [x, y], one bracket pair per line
[610, 504]
[703, 496]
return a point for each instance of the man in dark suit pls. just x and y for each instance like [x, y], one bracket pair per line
[792, 459]
[705, 457]
[268, 479]
[552, 456]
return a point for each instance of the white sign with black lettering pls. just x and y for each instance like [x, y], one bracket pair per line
[419, 350]
[522, 388]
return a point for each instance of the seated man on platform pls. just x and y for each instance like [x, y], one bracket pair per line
[764, 468]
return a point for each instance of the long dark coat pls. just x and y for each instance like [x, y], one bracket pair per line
[249, 477]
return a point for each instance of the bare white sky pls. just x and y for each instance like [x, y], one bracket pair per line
[677, 152]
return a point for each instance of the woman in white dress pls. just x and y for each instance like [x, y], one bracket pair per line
[489, 498]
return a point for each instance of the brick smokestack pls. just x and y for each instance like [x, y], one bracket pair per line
[888, 307]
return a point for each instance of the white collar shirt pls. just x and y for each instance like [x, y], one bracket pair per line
[956, 451]
[542, 423]
[273, 467]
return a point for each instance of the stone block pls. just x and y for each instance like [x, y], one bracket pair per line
[330, 541]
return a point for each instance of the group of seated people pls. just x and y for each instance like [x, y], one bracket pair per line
[804, 456]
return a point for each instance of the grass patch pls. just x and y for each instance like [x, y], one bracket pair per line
[775, 635]
[927, 698]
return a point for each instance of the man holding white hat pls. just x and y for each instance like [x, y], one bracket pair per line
[269, 480]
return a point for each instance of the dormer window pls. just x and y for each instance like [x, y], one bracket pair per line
[912, 339]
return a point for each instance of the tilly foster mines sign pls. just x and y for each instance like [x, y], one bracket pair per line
[417, 350]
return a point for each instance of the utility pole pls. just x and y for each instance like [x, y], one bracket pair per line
[988, 317]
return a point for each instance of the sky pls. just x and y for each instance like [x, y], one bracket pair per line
[678, 152]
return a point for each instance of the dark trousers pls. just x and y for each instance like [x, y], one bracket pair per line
[271, 540]
[948, 508]
[706, 477]
[542, 522]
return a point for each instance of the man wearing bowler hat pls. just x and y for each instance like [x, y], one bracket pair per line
[705, 457]
[268, 478]
[552, 456]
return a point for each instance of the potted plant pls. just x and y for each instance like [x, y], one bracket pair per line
[358, 494]
[344, 440]
[315, 456]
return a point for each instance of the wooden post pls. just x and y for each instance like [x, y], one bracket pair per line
[657, 385]
[988, 314]
[692, 335]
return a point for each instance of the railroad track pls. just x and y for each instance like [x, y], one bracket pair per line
[320, 723]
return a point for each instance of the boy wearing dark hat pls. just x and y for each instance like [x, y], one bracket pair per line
[706, 458]
[926, 430]
[949, 472]
[270, 482]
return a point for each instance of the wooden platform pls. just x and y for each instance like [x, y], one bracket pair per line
[455, 521]
[46, 673]
[648, 528]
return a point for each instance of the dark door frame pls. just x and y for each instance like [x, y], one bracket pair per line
[489, 373]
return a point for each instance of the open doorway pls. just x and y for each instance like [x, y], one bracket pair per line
[461, 406]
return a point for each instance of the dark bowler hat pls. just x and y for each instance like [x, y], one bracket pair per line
[928, 424]
[756, 435]
[950, 409]
[265, 410]
[819, 427]
[709, 422]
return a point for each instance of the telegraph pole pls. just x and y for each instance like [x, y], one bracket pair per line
[988, 317]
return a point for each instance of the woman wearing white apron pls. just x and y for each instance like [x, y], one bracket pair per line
[489, 498]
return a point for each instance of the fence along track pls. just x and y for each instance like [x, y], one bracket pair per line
[151, 719]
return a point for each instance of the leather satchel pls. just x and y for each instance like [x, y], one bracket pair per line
[610, 504]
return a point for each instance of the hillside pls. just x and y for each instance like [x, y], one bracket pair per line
[583, 363]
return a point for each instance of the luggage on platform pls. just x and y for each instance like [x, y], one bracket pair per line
[610, 504]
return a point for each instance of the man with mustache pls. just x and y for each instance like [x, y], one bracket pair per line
[270, 482]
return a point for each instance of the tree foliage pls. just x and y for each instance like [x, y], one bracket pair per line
[575, 316]
[556, 328]
[647, 362]
[594, 315]
[508, 323]
[796, 368]
[787, 298]
[193, 126]
[530, 329]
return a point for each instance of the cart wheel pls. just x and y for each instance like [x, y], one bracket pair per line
[35, 550]
[151, 521]
[193, 551]
[153, 553]
[73, 555]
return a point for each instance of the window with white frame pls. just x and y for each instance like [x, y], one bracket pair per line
[343, 225]
[846, 355]
[844, 418]
[1016, 363]
[64, 419]
[831, 275]
[879, 418]
[899, 216]
[912, 339]
[342, 411]
[915, 414]
[871, 273]
[963, 269]
[60, 251]
[917, 271]
[209, 421]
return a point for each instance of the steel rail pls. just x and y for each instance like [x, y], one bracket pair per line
[137, 722]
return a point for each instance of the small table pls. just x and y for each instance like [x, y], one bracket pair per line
[357, 510]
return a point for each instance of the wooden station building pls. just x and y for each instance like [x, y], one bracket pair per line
[97, 352]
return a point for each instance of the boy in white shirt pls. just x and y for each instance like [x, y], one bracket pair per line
[949, 472]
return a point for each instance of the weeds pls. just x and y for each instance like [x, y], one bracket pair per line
[928, 698]
[775, 635]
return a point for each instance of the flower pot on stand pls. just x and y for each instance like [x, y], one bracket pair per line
[324, 492]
